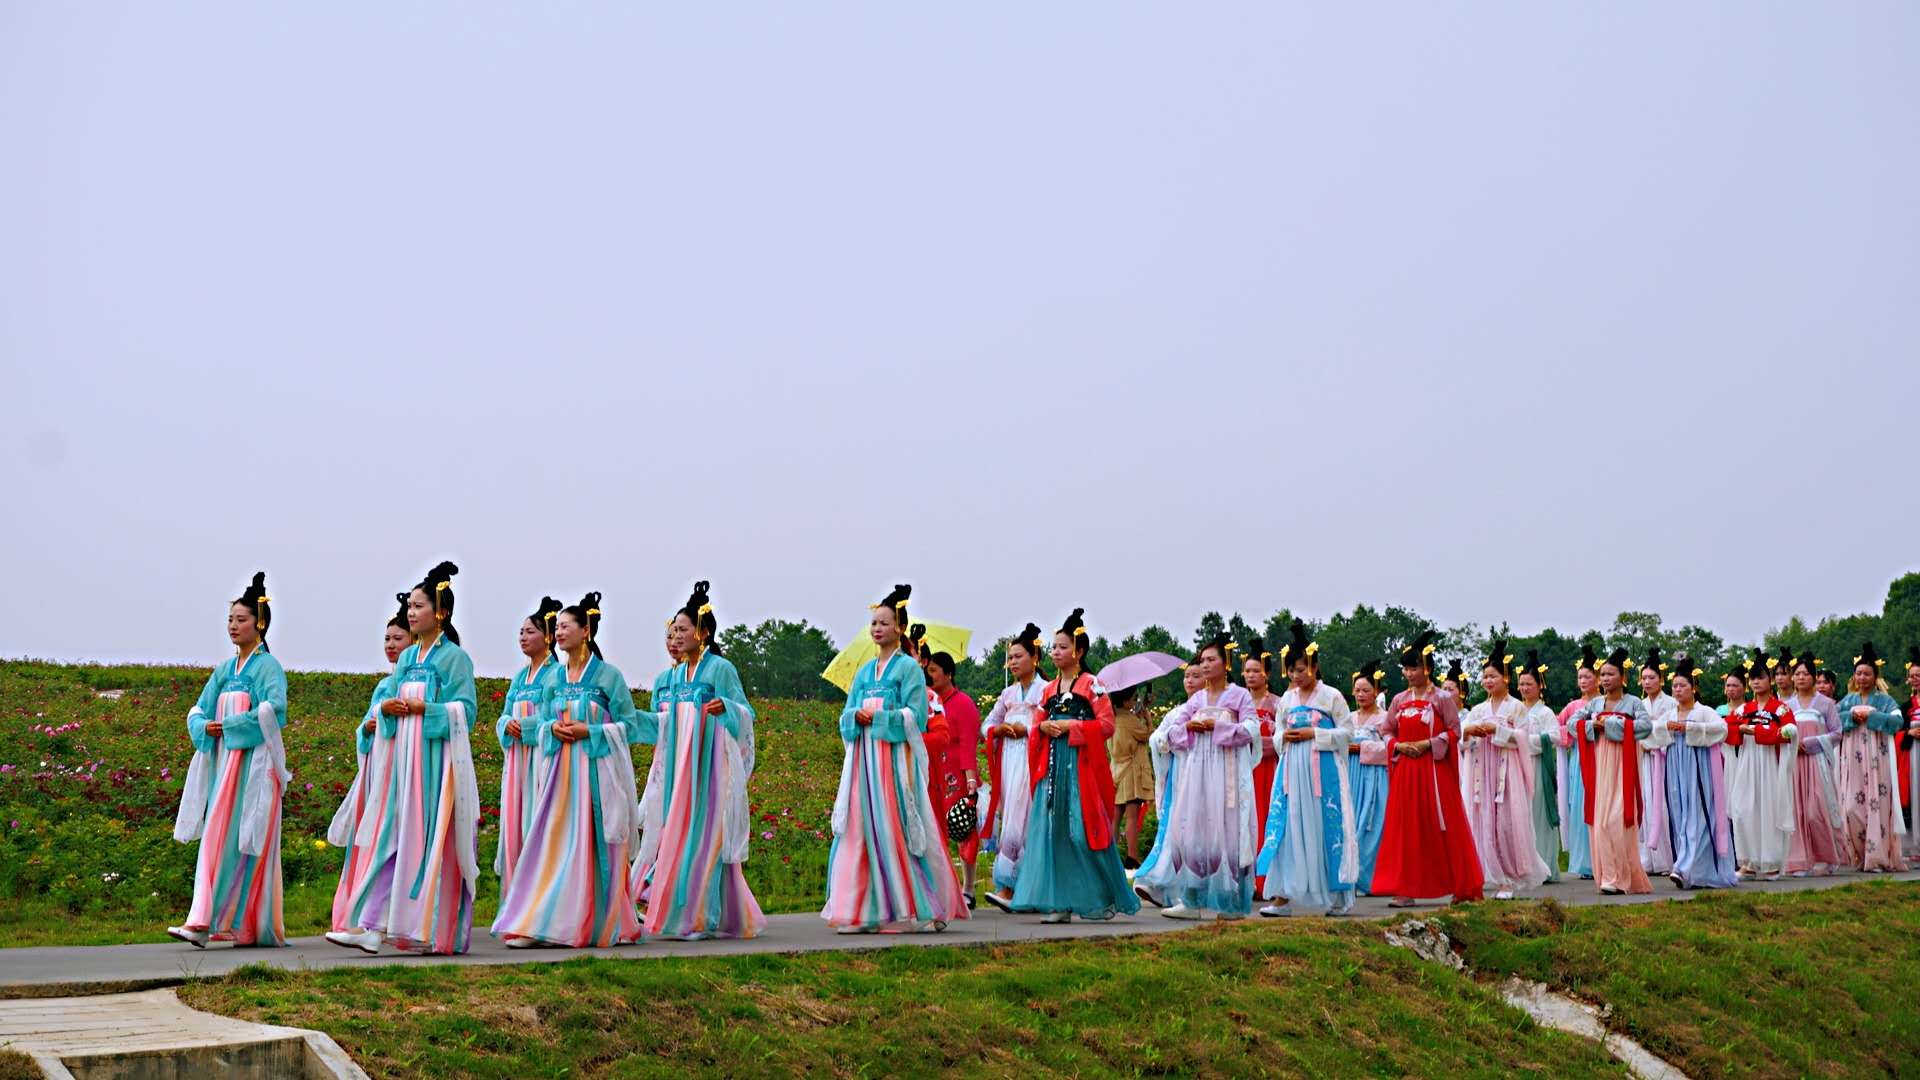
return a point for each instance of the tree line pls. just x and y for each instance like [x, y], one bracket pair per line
[784, 658]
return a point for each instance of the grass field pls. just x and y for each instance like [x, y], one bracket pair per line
[89, 784]
[1818, 983]
[1313, 998]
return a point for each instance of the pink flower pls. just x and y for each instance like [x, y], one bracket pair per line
[767, 835]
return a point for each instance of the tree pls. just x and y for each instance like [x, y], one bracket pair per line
[779, 658]
[1211, 626]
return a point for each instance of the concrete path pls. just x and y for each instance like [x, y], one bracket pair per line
[80, 966]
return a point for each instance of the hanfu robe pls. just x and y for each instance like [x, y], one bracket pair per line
[888, 863]
[1697, 821]
[1656, 845]
[570, 886]
[526, 702]
[1311, 853]
[696, 826]
[1816, 803]
[1264, 771]
[1575, 835]
[1071, 863]
[418, 891]
[1010, 785]
[365, 796]
[1539, 736]
[1609, 734]
[1496, 783]
[1367, 776]
[1426, 846]
[1211, 844]
[230, 801]
[1165, 786]
[640, 876]
[1867, 776]
[1760, 783]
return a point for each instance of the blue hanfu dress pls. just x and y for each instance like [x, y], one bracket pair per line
[1311, 853]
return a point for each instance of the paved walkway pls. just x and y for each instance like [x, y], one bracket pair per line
[152, 1034]
[173, 961]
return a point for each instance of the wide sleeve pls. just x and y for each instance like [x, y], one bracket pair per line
[1705, 727]
[1506, 731]
[241, 731]
[625, 718]
[1336, 738]
[1447, 708]
[203, 711]
[912, 715]
[1245, 730]
[1886, 714]
[856, 697]
[1373, 743]
[455, 688]
[1172, 734]
[506, 713]
[1100, 728]
[362, 738]
[994, 715]
[739, 716]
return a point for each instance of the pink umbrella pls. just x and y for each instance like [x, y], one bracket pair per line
[1136, 669]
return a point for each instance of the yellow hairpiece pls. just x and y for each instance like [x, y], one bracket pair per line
[1233, 646]
[548, 616]
[264, 600]
[440, 585]
[1264, 655]
[1428, 651]
[706, 609]
[592, 611]
[1312, 647]
[1079, 631]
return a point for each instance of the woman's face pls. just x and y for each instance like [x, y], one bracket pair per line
[1020, 662]
[1493, 681]
[1191, 679]
[568, 633]
[1683, 691]
[673, 644]
[1300, 673]
[1735, 689]
[1254, 674]
[686, 636]
[1365, 694]
[1529, 686]
[1823, 682]
[1586, 680]
[533, 643]
[1062, 652]
[1864, 676]
[1802, 679]
[1649, 682]
[1782, 681]
[1913, 677]
[1761, 686]
[420, 616]
[884, 627]
[1611, 679]
[242, 629]
[395, 642]
[1416, 675]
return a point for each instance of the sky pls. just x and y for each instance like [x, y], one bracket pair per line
[1503, 312]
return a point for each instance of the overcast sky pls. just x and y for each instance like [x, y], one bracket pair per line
[1500, 311]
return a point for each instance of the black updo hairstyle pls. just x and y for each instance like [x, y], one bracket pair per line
[1300, 648]
[1076, 631]
[1257, 651]
[699, 611]
[438, 585]
[400, 617]
[587, 613]
[254, 598]
[1221, 643]
[911, 642]
[1028, 639]
[542, 619]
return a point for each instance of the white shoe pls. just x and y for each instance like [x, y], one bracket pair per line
[1057, 917]
[1000, 902]
[512, 942]
[1227, 916]
[1503, 894]
[195, 938]
[1342, 910]
[1275, 911]
[1182, 911]
[367, 941]
[857, 930]
[931, 926]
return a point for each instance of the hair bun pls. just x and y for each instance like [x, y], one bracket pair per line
[259, 579]
[443, 571]
[591, 600]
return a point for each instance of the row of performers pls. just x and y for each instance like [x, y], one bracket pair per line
[1411, 801]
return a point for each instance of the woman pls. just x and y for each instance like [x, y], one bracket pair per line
[1132, 763]
[1735, 765]
[1910, 754]
[1006, 727]
[1071, 866]
[1825, 682]
[1497, 784]
[1573, 784]
[1539, 734]
[1696, 787]
[696, 824]
[1258, 678]
[935, 737]
[1165, 784]
[363, 797]
[639, 878]
[1871, 827]
[1609, 729]
[1656, 847]
[1455, 682]
[1815, 846]
[887, 868]
[418, 892]
[570, 887]
[518, 730]
[1783, 673]
[1367, 767]
[1426, 845]
[231, 799]
[1207, 867]
[1311, 854]
[1761, 790]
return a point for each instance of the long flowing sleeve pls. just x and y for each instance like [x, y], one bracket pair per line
[456, 687]
[1100, 728]
[242, 730]
[203, 710]
[1334, 740]
[739, 717]
[1886, 714]
[609, 681]
[1245, 731]
[362, 738]
[506, 711]
[1705, 727]
[1447, 708]
[1506, 732]
[1172, 735]
[889, 725]
[1373, 744]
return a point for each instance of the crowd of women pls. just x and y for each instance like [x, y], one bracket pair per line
[1298, 799]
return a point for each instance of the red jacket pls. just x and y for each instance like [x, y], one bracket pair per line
[1089, 740]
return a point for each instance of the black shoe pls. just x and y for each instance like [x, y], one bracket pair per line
[1128, 862]
[969, 901]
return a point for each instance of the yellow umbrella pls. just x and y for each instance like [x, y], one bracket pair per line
[952, 640]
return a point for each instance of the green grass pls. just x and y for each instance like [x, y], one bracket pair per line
[86, 812]
[1817, 983]
[15, 1065]
[1320, 998]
